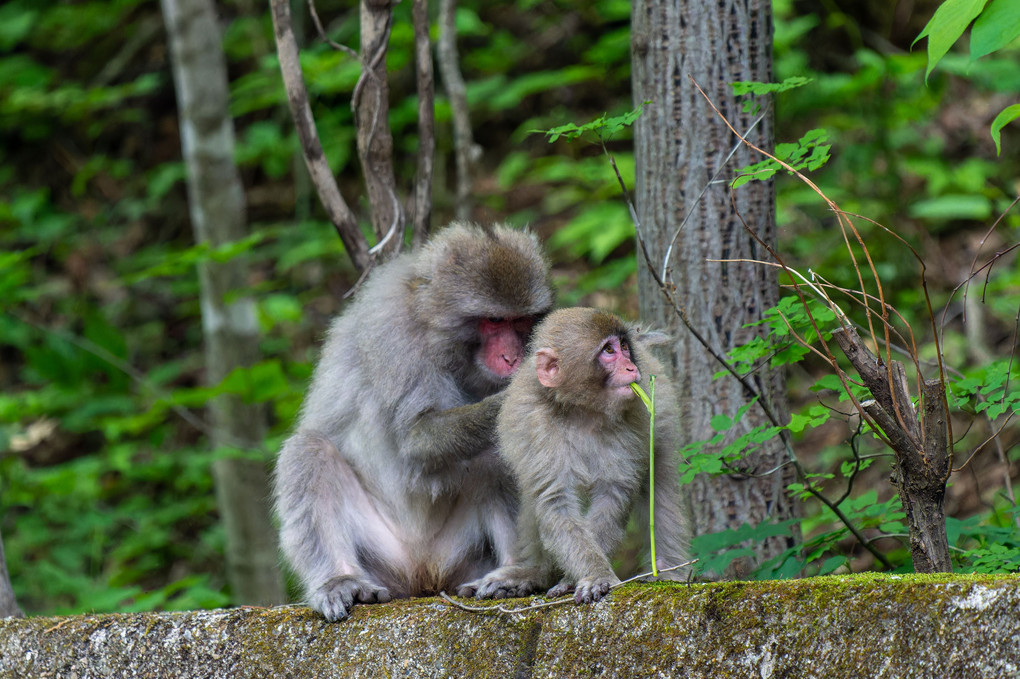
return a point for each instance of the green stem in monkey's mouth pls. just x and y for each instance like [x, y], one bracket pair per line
[649, 401]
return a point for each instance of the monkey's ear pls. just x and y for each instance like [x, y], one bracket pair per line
[547, 366]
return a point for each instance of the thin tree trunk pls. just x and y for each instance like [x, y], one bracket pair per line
[8, 603]
[680, 148]
[216, 202]
[465, 150]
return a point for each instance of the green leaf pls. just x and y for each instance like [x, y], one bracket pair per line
[998, 25]
[1007, 116]
[16, 22]
[642, 395]
[953, 206]
[946, 27]
[757, 89]
[827, 382]
[721, 422]
[831, 564]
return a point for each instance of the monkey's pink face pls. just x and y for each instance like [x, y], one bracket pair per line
[503, 341]
[614, 357]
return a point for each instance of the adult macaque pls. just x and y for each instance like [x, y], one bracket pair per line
[390, 485]
[576, 438]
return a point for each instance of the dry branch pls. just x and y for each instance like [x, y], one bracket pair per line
[372, 119]
[465, 151]
[322, 177]
[421, 209]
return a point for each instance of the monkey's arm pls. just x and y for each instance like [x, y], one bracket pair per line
[567, 536]
[438, 437]
[610, 504]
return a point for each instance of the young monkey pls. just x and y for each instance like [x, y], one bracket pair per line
[576, 439]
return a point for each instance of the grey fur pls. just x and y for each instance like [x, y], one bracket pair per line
[390, 485]
[581, 465]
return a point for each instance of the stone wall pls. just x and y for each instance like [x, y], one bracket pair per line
[858, 626]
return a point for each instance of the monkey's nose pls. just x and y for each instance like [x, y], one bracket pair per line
[511, 361]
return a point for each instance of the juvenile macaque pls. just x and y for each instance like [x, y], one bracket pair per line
[390, 485]
[576, 438]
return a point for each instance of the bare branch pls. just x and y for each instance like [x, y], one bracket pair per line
[421, 210]
[322, 32]
[318, 168]
[371, 114]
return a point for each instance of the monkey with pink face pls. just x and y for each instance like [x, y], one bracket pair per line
[576, 438]
[391, 486]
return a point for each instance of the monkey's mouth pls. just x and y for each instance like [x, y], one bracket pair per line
[622, 392]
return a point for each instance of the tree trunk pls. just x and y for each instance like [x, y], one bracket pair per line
[921, 446]
[8, 604]
[216, 202]
[680, 148]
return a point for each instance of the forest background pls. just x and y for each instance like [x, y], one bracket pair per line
[106, 492]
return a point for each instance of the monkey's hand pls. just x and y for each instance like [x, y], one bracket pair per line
[336, 597]
[589, 590]
[444, 436]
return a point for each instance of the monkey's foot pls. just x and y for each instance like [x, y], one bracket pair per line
[336, 597]
[561, 588]
[589, 590]
[497, 585]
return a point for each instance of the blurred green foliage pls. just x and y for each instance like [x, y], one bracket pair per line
[106, 500]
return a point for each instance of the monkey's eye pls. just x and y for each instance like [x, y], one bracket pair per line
[493, 319]
[608, 349]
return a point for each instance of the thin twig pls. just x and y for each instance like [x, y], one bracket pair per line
[712, 180]
[978, 449]
[322, 32]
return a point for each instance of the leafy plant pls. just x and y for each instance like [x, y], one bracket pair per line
[995, 25]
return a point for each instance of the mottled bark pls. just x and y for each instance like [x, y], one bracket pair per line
[217, 210]
[680, 148]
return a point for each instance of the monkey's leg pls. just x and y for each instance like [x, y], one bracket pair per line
[478, 533]
[325, 516]
[494, 499]
[526, 569]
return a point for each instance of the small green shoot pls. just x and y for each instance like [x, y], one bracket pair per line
[649, 401]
